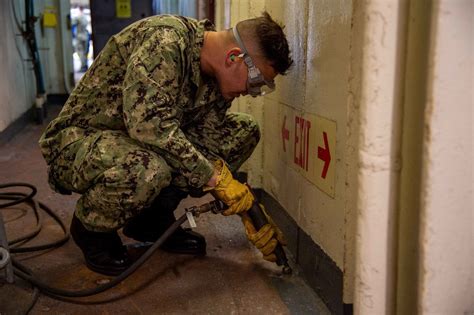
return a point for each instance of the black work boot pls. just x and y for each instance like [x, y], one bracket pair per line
[152, 222]
[103, 252]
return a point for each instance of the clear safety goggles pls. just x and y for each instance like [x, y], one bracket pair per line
[256, 83]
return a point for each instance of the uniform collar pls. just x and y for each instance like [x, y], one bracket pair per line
[203, 26]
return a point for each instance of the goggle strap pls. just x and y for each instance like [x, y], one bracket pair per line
[239, 40]
[255, 74]
[246, 55]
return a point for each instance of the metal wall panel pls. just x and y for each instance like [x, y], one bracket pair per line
[105, 22]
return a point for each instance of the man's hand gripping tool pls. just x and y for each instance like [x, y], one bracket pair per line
[258, 219]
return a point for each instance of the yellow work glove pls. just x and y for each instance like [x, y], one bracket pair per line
[267, 238]
[235, 195]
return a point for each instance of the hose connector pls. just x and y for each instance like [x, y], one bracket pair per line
[215, 206]
[4, 257]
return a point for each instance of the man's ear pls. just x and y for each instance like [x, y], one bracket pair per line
[232, 56]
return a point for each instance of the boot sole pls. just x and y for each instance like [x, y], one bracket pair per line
[105, 270]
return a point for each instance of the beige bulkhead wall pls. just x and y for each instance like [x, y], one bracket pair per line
[17, 80]
[317, 85]
[17, 85]
[446, 263]
[377, 68]
[418, 34]
[411, 81]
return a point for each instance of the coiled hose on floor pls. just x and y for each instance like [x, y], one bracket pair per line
[25, 273]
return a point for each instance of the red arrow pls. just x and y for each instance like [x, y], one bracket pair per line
[325, 155]
[285, 134]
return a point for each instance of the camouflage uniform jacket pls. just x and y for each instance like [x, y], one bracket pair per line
[146, 82]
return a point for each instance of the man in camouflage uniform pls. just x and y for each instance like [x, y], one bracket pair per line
[148, 124]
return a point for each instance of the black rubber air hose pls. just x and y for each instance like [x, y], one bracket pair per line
[28, 198]
[25, 273]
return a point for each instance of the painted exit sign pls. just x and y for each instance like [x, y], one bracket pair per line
[308, 143]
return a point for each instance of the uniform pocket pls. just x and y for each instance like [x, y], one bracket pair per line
[87, 165]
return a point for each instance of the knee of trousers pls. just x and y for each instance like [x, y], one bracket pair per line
[246, 136]
[248, 126]
[122, 194]
[127, 188]
[254, 131]
[246, 123]
[144, 180]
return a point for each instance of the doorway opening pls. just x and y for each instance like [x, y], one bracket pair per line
[81, 37]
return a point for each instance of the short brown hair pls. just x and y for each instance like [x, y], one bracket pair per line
[269, 35]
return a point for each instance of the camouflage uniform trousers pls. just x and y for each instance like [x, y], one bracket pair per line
[118, 177]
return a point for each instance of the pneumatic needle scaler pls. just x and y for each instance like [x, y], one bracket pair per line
[258, 218]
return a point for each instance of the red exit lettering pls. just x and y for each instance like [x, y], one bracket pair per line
[301, 148]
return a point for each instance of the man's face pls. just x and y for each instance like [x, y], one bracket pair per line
[233, 81]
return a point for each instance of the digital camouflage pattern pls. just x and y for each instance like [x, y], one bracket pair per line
[143, 117]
